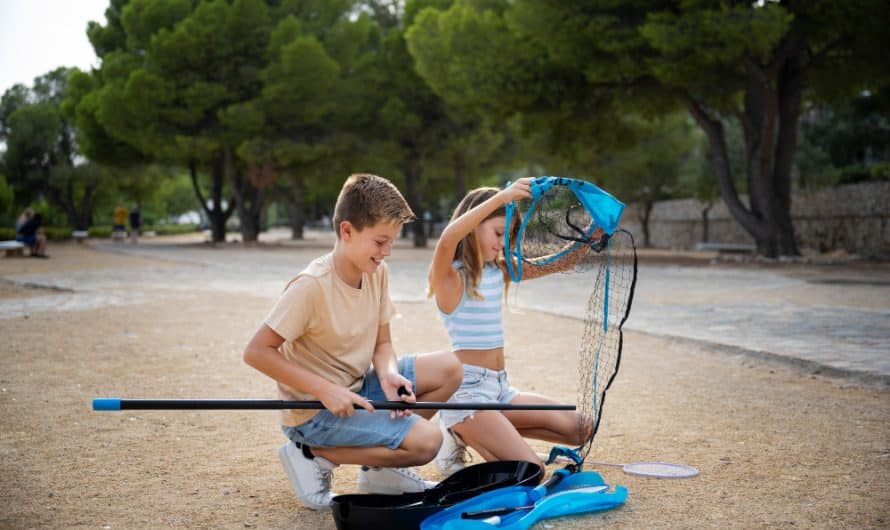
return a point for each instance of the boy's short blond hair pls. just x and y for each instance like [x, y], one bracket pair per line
[367, 199]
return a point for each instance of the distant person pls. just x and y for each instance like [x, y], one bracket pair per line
[26, 214]
[29, 230]
[135, 223]
[118, 227]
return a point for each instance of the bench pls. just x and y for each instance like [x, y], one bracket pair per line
[747, 248]
[80, 235]
[13, 248]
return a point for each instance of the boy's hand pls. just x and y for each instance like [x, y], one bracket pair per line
[340, 401]
[390, 383]
[521, 189]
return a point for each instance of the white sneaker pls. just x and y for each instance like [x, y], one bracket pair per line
[391, 480]
[310, 477]
[453, 455]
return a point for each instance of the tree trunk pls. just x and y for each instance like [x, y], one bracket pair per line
[248, 198]
[768, 219]
[790, 88]
[704, 221]
[769, 118]
[296, 207]
[216, 216]
[85, 212]
[645, 215]
[413, 196]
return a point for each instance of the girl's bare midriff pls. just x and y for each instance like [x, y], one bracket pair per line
[493, 358]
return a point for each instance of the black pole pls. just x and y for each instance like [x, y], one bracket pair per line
[106, 404]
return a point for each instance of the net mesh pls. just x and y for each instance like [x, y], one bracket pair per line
[560, 235]
[607, 309]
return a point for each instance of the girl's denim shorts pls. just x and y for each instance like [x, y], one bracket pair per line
[480, 385]
[364, 429]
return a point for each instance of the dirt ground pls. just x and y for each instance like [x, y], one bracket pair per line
[776, 446]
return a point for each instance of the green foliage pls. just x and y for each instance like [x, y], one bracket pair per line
[33, 129]
[142, 19]
[7, 196]
[445, 46]
[580, 71]
[277, 101]
[42, 159]
[696, 178]
[171, 229]
[703, 48]
[846, 142]
[650, 170]
[854, 173]
[879, 171]
[173, 196]
[61, 233]
[853, 132]
[110, 37]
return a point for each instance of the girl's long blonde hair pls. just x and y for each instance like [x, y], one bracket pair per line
[468, 251]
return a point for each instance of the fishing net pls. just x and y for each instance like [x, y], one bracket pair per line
[571, 226]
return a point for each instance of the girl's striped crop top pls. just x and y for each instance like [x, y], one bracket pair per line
[477, 324]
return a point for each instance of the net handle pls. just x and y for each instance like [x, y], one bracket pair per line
[538, 186]
[589, 195]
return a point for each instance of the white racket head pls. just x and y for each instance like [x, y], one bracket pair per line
[660, 469]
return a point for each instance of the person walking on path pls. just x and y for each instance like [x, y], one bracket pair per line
[119, 223]
[135, 223]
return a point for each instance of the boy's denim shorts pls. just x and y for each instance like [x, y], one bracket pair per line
[480, 385]
[365, 429]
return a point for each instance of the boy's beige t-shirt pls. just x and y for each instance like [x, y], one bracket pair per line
[329, 327]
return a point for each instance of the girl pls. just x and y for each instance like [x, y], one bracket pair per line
[468, 279]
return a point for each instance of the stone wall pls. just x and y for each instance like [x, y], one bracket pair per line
[854, 218]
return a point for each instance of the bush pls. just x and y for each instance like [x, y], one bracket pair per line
[852, 174]
[100, 231]
[52, 232]
[57, 233]
[879, 171]
[861, 173]
[171, 229]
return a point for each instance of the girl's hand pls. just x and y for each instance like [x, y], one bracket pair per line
[340, 401]
[521, 189]
[597, 234]
[390, 383]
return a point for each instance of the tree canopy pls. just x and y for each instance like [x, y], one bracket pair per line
[750, 62]
[266, 102]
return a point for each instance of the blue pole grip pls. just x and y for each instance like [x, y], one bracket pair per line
[106, 404]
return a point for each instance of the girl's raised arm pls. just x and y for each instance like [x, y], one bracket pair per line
[442, 275]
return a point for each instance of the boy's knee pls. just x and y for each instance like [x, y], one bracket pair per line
[432, 441]
[425, 443]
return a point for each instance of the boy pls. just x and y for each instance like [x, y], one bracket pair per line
[328, 338]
